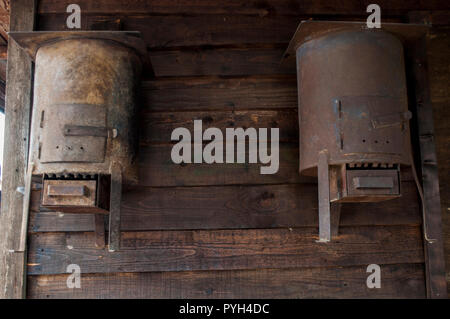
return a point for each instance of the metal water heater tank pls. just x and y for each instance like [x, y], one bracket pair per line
[353, 111]
[83, 135]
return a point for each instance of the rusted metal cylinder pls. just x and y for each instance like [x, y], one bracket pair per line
[83, 131]
[352, 99]
[84, 107]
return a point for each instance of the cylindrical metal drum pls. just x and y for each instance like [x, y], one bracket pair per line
[352, 99]
[353, 112]
[83, 136]
[84, 106]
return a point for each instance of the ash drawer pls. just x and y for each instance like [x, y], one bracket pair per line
[69, 193]
[373, 182]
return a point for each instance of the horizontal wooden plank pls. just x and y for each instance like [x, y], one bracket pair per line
[257, 60]
[158, 127]
[398, 281]
[231, 207]
[439, 66]
[50, 253]
[4, 27]
[173, 31]
[157, 169]
[435, 18]
[439, 70]
[176, 31]
[219, 94]
[220, 61]
[285, 7]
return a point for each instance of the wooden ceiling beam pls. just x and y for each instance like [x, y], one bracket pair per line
[4, 20]
[4, 5]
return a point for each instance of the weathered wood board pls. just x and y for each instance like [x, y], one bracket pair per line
[51, 253]
[399, 281]
[231, 207]
[18, 106]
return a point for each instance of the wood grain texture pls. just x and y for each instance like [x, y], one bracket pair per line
[174, 31]
[220, 61]
[439, 73]
[4, 20]
[435, 260]
[435, 18]
[168, 31]
[18, 105]
[4, 27]
[213, 93]
[398, 281]
[50, 253]
[255, 7]
[158, 127]
[5, 5]
[232, 207]
[157, 169]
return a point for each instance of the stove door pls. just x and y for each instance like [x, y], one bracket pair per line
[73, 133]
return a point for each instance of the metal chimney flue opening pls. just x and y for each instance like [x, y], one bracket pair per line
[83, 132]
[353, 112]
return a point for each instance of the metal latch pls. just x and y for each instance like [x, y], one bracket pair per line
[78, 130]
[392, 119]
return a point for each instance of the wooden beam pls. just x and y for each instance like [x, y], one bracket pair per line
[433, 241]
[160, 251]
[398, 281]
[4, 19]
[249, 7]
[5, 5]
[435, 18]
[4, 26]
[231, 207]
[18, 106]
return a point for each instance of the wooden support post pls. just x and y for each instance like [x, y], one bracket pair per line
[18, 110]
[433, 242]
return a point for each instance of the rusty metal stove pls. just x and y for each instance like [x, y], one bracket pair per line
[353, 112]
[83, 134]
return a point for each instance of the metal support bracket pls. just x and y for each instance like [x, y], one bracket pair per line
[324, 198]
[329, 212]
[99, 223]
[26, 209]
[114, 207]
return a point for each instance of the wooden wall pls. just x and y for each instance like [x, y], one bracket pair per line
[439, 46]
[223, 231]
